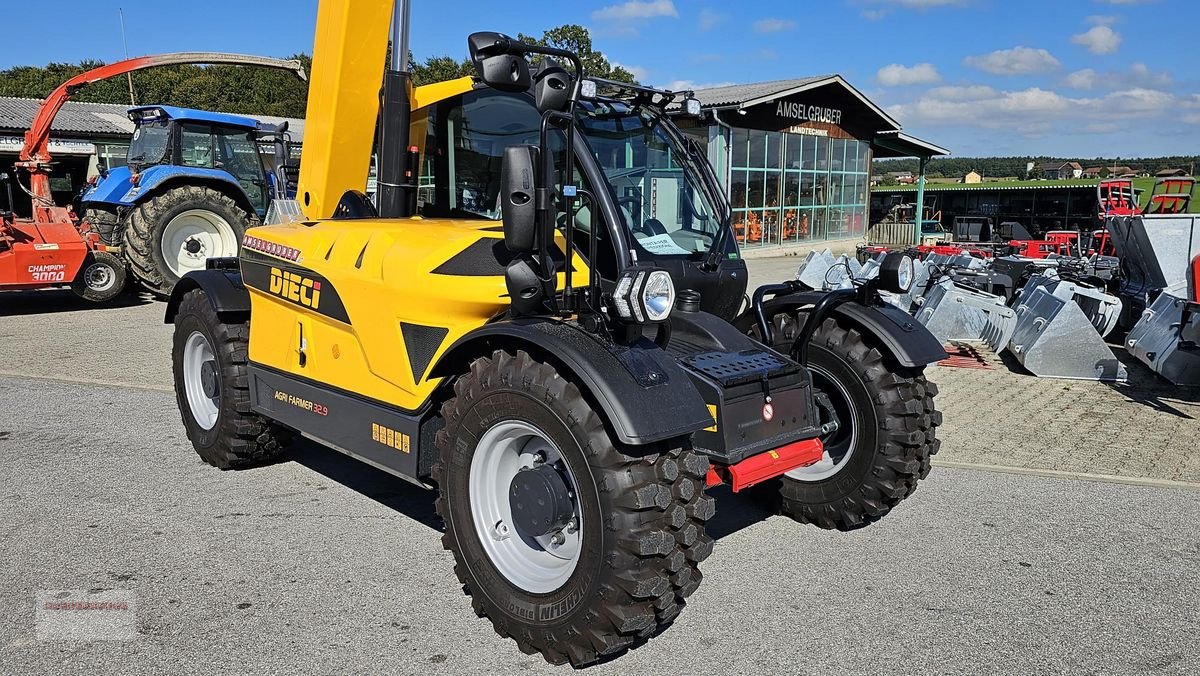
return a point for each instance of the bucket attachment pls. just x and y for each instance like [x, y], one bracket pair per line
[1102, 309]
[1054, 339]
[815, 268]
[953, 312]
[1166, 337]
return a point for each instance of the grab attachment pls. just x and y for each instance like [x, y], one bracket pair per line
[1166, 337]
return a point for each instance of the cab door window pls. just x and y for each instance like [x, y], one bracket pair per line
[195, 146]
[237, 153]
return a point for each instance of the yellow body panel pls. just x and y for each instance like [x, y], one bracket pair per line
[349, 54]
[395, 283]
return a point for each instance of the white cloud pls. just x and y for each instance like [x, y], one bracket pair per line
[1034, 112]
[896, 75]
[1125, 2]
[925, 4]
[1082, 79]
[962, 92]
[638, 71]
[710, 19]
[773, 25]
[1102, 19]
[636, 9]
[1099, 40]
[874, 14]
[1015, 61]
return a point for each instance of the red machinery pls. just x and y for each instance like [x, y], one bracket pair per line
[52, 248]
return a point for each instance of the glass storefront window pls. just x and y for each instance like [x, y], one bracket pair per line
[792, 187]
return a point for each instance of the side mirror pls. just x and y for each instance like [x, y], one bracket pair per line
[518, 188]
[552, 88]
[500, 61]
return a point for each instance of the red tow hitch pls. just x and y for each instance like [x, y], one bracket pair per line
[758, 468]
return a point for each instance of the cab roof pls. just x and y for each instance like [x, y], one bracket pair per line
[189, 115]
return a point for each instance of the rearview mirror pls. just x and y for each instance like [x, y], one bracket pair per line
[500, 61]
[518, 187]
[552, 88]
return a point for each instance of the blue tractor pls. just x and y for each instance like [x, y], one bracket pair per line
[193, 182]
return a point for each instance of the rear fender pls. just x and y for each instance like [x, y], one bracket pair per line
[643, 394]
[163, 177]
[902, 336]
[222, 285]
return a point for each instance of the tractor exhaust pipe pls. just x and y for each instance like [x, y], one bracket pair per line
[396, 184]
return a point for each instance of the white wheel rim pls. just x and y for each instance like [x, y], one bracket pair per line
[197, 351]
[193, 237]
[539, 565]
[827, 467]
[99, 277]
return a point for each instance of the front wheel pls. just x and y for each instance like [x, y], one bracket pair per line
[572, 546]
[101, 279]
[886, 432]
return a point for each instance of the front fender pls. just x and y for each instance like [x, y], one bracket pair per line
[222, 286]
[110, 189]
[906, 339]
[644, 394]
[160, 175]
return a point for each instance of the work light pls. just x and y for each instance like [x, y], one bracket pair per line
[896, 273]
[587, 89]
[644, 295]
[692, 106]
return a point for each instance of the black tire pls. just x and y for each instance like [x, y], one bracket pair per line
[101, 279]
[143, 233]
[239, 438]
[105, 221]
[895, 423]
[633, 574]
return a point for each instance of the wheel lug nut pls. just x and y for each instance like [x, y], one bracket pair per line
[558, 538]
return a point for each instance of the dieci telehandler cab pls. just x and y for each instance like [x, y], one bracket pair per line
[570, 379]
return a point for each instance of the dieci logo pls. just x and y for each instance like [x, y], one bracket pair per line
[295, 288]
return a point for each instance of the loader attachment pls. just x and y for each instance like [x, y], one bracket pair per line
[1165, 339]
[954, 312]
[1054, 339]
[1103, 310]
[1155, 250]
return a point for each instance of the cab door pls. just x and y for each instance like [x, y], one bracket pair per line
[237, 153]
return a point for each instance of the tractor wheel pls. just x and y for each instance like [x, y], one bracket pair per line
[570, 544]
[105, 221]
[175, 232]
[101, 279]
[886, 436]
[212, 389]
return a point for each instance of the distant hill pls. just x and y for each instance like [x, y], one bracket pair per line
[956, 167]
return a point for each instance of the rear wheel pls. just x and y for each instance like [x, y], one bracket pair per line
[212, 389]
[101, 279]
[572, 546]
[174, 233]
[886, 434]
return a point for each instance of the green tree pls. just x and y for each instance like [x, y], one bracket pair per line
[575, 38]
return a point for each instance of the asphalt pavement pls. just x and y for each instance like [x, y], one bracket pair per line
[320, 565]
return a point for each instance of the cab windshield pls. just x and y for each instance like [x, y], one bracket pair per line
[654, 181]
[150, 141]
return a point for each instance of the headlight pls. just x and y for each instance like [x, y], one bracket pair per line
[644, 295]
[896, 273]
[587, 89]
[692, 107]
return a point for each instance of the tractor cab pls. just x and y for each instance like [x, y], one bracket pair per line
[171, 143]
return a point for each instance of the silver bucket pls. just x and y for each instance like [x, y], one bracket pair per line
[1162, 341]
[1102, 309]
[815, 269]
[1054, 339]
[954, 312]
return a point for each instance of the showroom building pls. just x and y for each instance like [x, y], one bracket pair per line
[795, 157]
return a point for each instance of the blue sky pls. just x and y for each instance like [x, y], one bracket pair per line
[981, 77]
